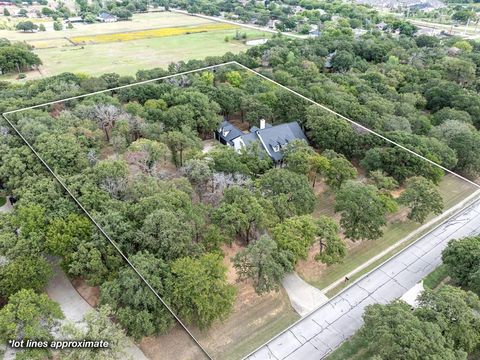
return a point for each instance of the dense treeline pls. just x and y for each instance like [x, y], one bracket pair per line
[17, 57]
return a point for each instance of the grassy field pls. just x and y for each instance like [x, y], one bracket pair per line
[3, 200]
[148, 41]
[126, 58]
[138, 22]
[148, 34]
[453, 190]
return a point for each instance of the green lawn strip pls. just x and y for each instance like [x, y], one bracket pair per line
[436, 277]
[3, 200]
[453, 190]
[260, 336]
[374, 264]
[352, 349]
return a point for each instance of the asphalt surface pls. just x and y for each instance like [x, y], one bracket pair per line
[321, 332]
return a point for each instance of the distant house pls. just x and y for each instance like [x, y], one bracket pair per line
[272, 139]
[74, 20]
[107, 18]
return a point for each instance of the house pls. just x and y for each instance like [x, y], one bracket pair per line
[106, 17]
[271, 138]
[74, 20]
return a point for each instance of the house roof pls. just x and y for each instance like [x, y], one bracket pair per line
[106, 16]
[232, 131]
[280, 135]
[270, 137]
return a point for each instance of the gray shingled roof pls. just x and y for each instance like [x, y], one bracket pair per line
[280, 135]
[234, 132]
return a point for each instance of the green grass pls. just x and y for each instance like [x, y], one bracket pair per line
[3, 200]
[126, 58]
[436, 277]
[238, 350]
[351, 350]
[453, 190]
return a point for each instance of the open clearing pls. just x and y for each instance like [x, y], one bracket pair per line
[152, 20]
[148, 41]
[452, 189]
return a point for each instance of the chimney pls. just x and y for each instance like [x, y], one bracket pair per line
[262, 124]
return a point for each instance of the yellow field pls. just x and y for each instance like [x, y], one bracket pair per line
[146, 34]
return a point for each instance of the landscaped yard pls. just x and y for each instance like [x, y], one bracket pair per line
[453, 190]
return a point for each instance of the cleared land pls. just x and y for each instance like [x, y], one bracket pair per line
[148, 41]
[452, 189]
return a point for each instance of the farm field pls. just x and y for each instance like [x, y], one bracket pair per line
[452, 189]
[126, 58]
[147, 41]
[144, 21]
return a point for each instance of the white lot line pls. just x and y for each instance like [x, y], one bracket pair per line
[355, 123]
[254, 27]
[168, 77]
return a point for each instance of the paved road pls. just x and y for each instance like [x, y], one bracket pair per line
[319, 333]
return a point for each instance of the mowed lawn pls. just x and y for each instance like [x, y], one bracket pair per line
[126, 58]
[453, 190]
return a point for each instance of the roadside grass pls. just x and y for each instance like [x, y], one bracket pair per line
[352, 349]
[436, 277]
[3, 200]
[452, 189]
[147, 34]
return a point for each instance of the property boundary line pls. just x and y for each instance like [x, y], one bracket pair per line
[211, 67]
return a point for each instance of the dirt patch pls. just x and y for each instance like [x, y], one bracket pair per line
[252, 317]
[236, 120]
[177, 344]
[91, 294]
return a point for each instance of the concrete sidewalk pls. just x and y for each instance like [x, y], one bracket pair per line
[303, 296]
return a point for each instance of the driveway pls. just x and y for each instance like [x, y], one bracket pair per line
[319, 333]
[75, 307]
[303, 296]
[7, 207]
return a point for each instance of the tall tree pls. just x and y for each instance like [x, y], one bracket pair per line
[363, 210]
[462, 258]
[24, 273]
[332, 247]
[264, 263]
[98, 325]
[455, 311]
[422, 197]
[135, 306]
[394, 332]
[29, 315]
[290, 193]
[296, 235]
[200, 292]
